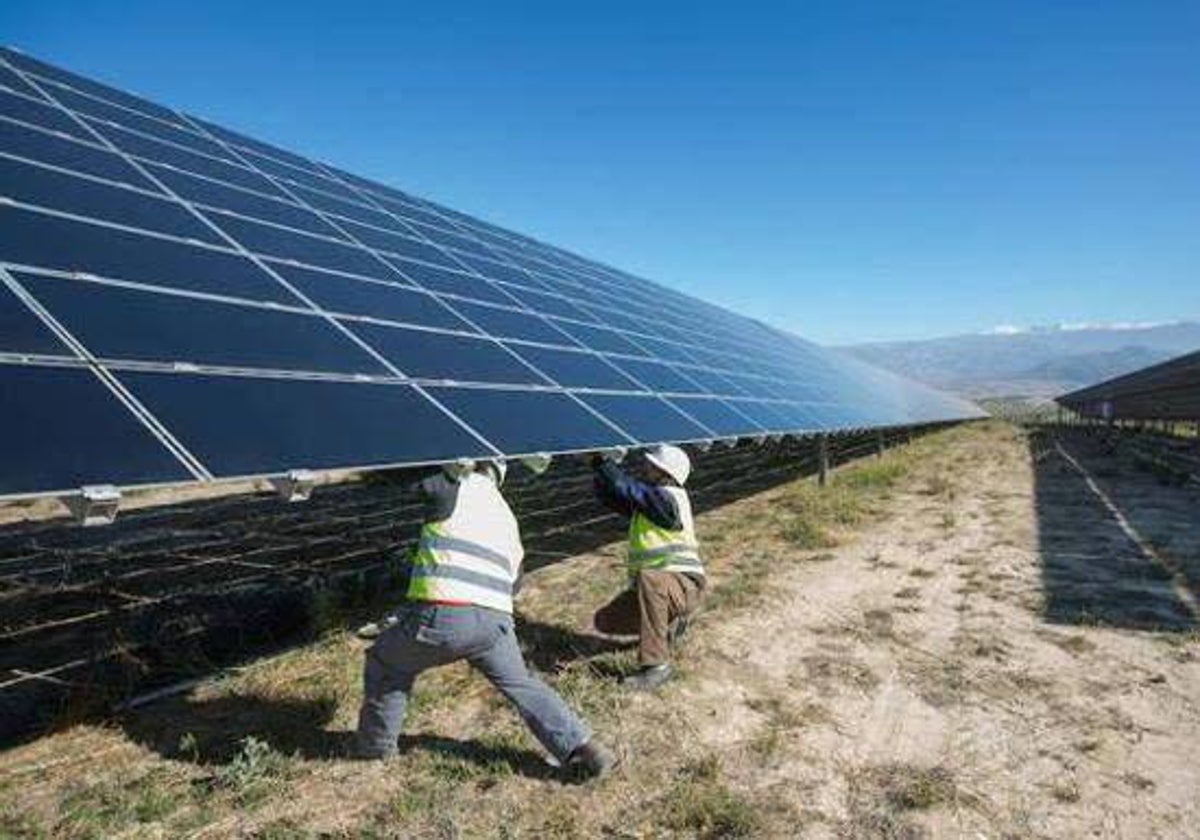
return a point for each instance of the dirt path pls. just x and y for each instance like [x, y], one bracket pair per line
[923, 676]
[926, 646]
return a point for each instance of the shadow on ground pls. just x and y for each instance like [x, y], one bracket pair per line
[91, 617]
[1143, 576]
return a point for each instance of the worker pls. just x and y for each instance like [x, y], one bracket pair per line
[460, 604]
[666, 577]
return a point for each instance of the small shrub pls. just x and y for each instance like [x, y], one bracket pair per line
[255, 771]
[700, 805]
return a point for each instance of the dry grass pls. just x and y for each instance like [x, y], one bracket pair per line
[753, 740]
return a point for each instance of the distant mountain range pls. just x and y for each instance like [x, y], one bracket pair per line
[1036, 362]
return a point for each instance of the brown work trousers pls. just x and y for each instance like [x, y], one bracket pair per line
[649, 609]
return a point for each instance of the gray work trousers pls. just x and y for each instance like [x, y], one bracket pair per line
[428, 635]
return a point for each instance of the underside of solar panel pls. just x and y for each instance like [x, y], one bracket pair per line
[180, 302]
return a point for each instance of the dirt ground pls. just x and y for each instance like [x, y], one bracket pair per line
[980, 635]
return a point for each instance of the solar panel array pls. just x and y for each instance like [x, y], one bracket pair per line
[1169, 390]
[179, 302]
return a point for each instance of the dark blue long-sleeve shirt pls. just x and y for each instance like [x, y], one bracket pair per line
[626, 495]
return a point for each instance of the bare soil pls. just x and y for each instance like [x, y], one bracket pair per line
[965, 638]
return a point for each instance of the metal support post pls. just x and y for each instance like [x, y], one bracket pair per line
[822, 460]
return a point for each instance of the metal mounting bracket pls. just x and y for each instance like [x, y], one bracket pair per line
[296, 486]
[537, 463]
[95, 504]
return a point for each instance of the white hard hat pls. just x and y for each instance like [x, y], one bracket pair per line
[672, 460]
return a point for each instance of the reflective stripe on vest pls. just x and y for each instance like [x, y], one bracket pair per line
[474, 555]
[654, 547]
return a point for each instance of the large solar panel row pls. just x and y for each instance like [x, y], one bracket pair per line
[1169, 390]
[179, 301]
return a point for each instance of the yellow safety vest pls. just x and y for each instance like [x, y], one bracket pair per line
[472, 557]
[654, 547]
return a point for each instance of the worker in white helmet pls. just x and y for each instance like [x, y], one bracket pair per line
[666, 577]
[460, 604]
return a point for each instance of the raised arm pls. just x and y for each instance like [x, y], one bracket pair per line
[626, 495]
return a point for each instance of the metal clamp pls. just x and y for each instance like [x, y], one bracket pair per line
[95, 504]
[538, 463]
[296, 486]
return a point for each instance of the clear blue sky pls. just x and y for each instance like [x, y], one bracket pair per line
[848, 170]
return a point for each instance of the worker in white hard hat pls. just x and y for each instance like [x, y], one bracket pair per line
[666, 577]
[460, 604]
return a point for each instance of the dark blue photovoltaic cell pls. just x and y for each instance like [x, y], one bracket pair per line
[667, 351]
[55, 190]
[798, 417]
[12, 81]
[716, 415]
[714, 383]
[546, 304]
[241, 426]
[754, 386]
[575, 369]
[448, 239]
[277, 169]
[288, 245]
[214, 194]
[23, 332]
[42, 114]
[58, 151]
[402, 246]
[764, 414]
[335, 293]
[428, 355]
[128, 119]
[349, 210]
[657, 376]
[249, 143]
[189, 161]
[28, 64]
[451, 282]
[63, 429]
[525, 422]
[172, 329]
[509, 323]
[646, 419]
[66, 245]
[600, 338]
[498, 271]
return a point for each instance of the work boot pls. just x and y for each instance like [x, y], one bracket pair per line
[649, 677]
[589, 761]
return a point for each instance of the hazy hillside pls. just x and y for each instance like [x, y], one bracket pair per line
[1042, 361]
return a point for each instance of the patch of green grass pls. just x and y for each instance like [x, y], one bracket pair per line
[700, 805]
[284, 829]
[254, 773]
[15, 825]
[911, 787]
[880, 475]
[110, 806]
[881, 799]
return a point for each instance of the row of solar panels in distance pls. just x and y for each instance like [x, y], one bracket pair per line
[393, 229]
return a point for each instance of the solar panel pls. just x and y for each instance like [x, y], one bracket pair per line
[179, 301]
